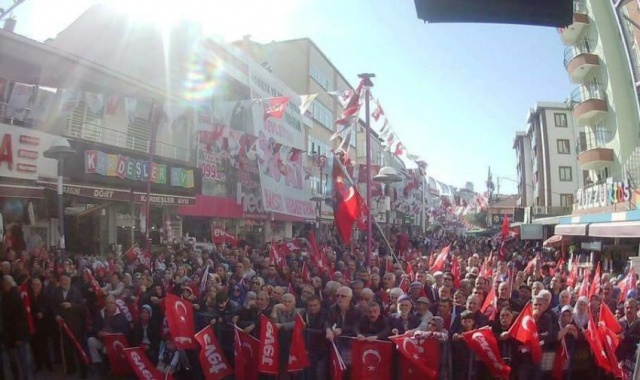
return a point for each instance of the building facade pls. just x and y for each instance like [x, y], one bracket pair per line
[524, 169]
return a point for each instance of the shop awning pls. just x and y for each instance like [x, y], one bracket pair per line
[615, 229]
[576, 229]
[88, 191]
[164, 199]
[19, 191]
[555, 240]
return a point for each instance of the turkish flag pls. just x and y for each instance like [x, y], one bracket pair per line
[214, 364]
[275, 257]
[525, 330]
[608, 319]
[246, 350]
[610, 341]
[298, 356]
[26, 302]
[441, 259]
[144, 256]
[181, 324]
[410, 271]
[269, 351]
[275, 107]
[421, 354]
[627, 284]
[455, 272]
[290, 247]
[142, 366]
[593, 338]
[115, 345]
[484, 344]
[532, 264]
[345, 206]
[573, 274]
[584, 286]
[94, 284]
[595, 285]
[489, 304]
[504, 231]
[560, 361]
[371, 360]
[337, 364]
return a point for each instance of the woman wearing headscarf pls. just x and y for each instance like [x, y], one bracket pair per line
[237, 294]
[582, 362]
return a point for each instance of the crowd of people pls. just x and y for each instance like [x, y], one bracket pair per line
[429, 288]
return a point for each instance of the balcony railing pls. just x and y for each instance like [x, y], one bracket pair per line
[593, 140]
[584, 47]
[587, 92]
[87, 131]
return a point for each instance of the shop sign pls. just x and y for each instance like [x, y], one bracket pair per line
[164, 199]
[91, 192]
[591, 245]
[117, 165]
[21, 153]
[603, 194]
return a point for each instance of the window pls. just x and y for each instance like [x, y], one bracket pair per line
[320, 77]
[566, 200]
[322, 114]
[565, 174]
[561, 120]
[563, 146]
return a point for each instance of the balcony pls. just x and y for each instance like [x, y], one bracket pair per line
[594, 151]
[573, 32]
[589, 104]
[580, 61]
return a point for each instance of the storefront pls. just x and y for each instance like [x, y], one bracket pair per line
[106, 196]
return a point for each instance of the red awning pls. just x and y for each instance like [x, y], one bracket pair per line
[213, 207]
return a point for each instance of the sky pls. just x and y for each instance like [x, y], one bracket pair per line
[454, 93]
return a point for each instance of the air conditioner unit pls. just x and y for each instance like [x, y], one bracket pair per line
[538, 210]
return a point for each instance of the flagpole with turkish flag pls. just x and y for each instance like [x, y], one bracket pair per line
[421, 355]
[298, 356]
[26, 302]
[180, 318]
[371, 360]
[525, 330]
[115, 345]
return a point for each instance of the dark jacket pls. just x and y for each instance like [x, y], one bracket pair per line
[348, 324]
[397, 323]
[74, 317]
[116, 324]
[14, 318]
[379, 328]
[42, 304]
[153, 334]
[314, 332]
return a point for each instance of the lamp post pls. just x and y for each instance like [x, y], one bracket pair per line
[319, 196]
[387, 175]
[367, 84]
[59, 150]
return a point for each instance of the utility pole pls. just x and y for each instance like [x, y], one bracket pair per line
[366, 85]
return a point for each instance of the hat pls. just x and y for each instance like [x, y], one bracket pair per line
[437, 274]
[423, 300]
[404, 298]
[416, 284]
[566, 308]
[148, 309]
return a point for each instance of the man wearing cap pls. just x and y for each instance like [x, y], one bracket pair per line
[146, 334]
[423, 313]
[416, 290]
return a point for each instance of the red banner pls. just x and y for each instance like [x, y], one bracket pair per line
[422, 355]
[220, 236]
[94, 284]
[214, 364]
[485, 346]
[115, 345]
[269, 352]
[135, 252]
[142, 366]
[371, 360]
[246, 350]
[181, 324]
[26, 302]
[75, 342]
[298, 356]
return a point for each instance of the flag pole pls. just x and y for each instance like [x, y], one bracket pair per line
[366, 78]
[156, 114]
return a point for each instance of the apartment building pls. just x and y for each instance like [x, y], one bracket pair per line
[548, 169]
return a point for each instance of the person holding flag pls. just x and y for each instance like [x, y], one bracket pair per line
[16, 335]
[629, 337]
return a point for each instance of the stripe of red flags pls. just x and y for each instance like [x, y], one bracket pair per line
[377, 112]
[484, 344]
[275, 107]
[214, 364]
[525, 330]
[115, 345]
[142, 366]
[269, 349]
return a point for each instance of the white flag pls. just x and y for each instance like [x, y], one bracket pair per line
[306, 101]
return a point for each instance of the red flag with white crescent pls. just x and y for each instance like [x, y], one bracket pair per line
[214, 364]
[26, 302]
[94, 283]
[597, 348]
[525, 330]
[560, 361]
[610, 342]
[181, 323]
[371, 360]
[246, 350]
[142, 366]
[337, 365]
[608, 319]
[115, 345]
[298, 356]
[595, 285]
[484, 344]
[269, 352]
[421, 354]
[441, 259]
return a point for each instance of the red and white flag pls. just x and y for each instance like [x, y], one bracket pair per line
[371, 360]
[26, 302]
[144, 256]
[484, 344]
[610, 342]
[489, 305]
[560, 361]
[441, 259]
[595, 285]
[608, 319]
[214, 364]
[584, 286]
[597, 348]
[275, 257]
[269, 352]
[377, 112]
[142, 366]
[298, 356]
[74, 341]
[115, 345]
[246, 350]
[337, 364]
[422, 355]
[627, 284]
[181, 323]
[275, 107]
[525, 330]
[399, 151]
[94, 283]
